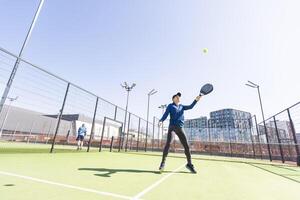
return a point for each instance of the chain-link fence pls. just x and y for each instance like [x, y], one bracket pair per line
[280, 135]
[46, 109]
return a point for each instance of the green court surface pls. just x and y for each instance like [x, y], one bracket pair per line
[26, 174]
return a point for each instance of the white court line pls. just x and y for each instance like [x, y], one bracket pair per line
[151, 187]
[65, 185]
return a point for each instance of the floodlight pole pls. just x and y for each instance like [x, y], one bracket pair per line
[162, 107]
[128, 89]
[16, 65]
[152, 92]
[253, 85]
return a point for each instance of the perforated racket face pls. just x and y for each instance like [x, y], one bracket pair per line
[206, 89]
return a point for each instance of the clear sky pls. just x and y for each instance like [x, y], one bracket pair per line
[98, 44]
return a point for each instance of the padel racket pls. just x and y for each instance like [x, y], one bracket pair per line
[206, 89]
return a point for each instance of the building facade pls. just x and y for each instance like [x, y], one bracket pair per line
[282, 129]
[230, 125]
[196, 129]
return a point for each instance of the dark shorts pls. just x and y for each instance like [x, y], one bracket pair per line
[80, 137]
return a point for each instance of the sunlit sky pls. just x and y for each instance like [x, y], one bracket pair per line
[158, 44]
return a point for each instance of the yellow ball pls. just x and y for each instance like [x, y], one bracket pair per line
[205, 50]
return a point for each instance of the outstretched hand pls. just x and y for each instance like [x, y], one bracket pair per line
[198, 98]
[160, 124]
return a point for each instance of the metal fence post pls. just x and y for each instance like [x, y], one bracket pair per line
[60, 116]
[102, 134]
[230, 145]
[153, 141]
[120, 138]
[93, 125]
[147, 127]
[68, 136]
[279, 140]
[30, 132]
[294, 137]
[158, 136]
[138, 138]
[43, 128]
[111, 143]
[268, 141]
[251, 137]
[127, 135]
[116, 110]
[147, 131]
[48, 134]
[124, 131]
[130, 146]
[257, 130]
[13, 135]
[209, 137]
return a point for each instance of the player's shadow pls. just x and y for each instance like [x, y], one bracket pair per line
[105, 172]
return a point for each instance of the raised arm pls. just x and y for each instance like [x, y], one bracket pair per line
[165, 115]
[193, 104]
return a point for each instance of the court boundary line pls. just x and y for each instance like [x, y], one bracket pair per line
[220, 159]
[66, 185]
[155, 184]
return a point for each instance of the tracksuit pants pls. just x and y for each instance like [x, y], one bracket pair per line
[182, 137]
